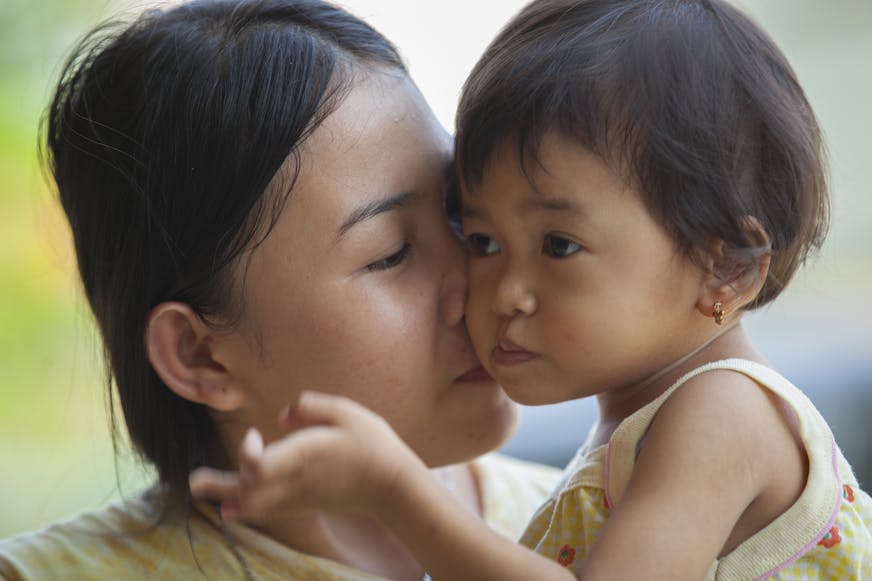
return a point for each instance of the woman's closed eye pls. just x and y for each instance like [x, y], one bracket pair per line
[481, 244]
[391, 261]
[558, 246]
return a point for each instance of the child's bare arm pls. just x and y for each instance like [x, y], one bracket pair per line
[348, 459]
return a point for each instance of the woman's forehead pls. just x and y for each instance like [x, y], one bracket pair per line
[382, 135]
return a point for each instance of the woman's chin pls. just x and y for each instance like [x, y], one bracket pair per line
[484, 433]
[504, 426]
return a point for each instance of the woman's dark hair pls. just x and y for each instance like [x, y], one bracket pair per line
[690, 98]
[162, 138]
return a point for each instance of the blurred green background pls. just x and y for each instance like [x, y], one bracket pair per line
[55, 453]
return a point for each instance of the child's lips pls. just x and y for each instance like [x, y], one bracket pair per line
[508, 353]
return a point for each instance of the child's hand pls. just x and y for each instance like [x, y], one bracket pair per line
[340, 456]
[337, 456]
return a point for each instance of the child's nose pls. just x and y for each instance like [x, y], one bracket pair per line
[513, 295]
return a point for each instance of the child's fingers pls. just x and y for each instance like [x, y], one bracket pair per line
[252, 468]
[214, 484]
[251, 448]
[317, 408]
[289, 468]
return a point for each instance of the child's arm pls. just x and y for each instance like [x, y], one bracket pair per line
[717, 464]
[349, 459]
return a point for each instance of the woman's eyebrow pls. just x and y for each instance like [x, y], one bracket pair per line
[376, 207]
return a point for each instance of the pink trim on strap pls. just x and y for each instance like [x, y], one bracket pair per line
[606, 473]
[821, 534]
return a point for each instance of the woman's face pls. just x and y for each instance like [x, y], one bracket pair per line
[359, 289]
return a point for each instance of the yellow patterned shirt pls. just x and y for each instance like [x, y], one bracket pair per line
[122, 541]
[826, 534]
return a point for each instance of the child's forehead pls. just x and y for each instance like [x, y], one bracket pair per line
[546, 166]
[524, 199]
[563, 179]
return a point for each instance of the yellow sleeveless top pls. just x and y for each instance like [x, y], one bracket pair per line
[826, 534]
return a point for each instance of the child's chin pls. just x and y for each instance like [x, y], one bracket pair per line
[526, 394]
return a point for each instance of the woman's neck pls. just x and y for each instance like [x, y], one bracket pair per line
[365, 543]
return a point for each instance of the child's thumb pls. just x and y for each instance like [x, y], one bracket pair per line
[315, 408]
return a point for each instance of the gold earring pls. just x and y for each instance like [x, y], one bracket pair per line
[718, 313]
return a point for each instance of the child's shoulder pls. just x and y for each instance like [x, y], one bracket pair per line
[734, 430]
[726, 397]
[722, 427]
[733, 409]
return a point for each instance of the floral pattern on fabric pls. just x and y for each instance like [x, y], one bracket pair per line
[848, 493]
[831, 539]
[566, 556]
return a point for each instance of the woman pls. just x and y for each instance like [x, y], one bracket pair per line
[255, 191]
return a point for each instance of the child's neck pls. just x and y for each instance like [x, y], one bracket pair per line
[616, 405]
[657, 376]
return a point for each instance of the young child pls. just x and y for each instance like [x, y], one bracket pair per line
[635, 176]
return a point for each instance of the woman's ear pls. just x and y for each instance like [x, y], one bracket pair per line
[733, 279]
[181, 349]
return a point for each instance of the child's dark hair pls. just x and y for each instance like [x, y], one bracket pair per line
[163, 137]
[689, 97]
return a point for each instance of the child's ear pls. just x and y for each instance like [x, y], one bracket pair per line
[181, 349]
[734, 279]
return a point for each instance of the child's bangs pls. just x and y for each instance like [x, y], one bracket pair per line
[608, 75]
[579, 89]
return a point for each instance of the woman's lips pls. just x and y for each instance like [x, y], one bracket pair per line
[476, 374]
[507, 353]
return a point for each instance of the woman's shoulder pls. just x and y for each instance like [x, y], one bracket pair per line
[136, 539]
[131, 539]
[512, 490]
[516, 471]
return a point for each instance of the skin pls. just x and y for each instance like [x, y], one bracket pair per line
[571, 280]
[574, 290]
[359, 291]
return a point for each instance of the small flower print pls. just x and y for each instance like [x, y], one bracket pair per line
[832, 538]
[566, 555]
[848, 493]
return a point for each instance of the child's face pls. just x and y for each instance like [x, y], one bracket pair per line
[574, 288]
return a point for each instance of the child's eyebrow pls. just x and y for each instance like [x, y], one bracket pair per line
[467, 212]
[550, 203]
[532, 203]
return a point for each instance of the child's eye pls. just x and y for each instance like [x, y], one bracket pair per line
[391, 261]
[482, 245]
[559, 247]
